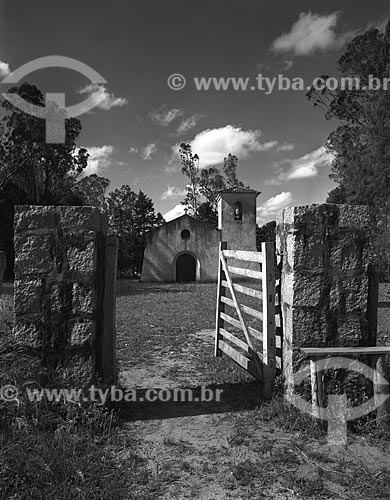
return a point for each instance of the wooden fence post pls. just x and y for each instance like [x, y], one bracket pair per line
[108, 344]
[221, 291]
[268, 286]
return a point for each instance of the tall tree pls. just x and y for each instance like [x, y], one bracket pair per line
[131, 216]
[45, 172]
[229, 170]
[190, 168]
[361, 142]
[205, 183]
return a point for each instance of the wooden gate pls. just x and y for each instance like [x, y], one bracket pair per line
[256, 342]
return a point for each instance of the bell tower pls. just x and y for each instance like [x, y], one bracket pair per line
[237, 217]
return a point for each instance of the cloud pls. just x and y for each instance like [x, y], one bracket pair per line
[269, 209]
[213, 145]
[173, 192]
[302, 168]
[311, 33]
[176, 211]
[148, 151]
[163, 116]
[188, 123]
[308, 165]
[100, 159]
[285, 147]
[4, 69]
[101, 97]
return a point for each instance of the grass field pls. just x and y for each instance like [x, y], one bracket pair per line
[239, 448]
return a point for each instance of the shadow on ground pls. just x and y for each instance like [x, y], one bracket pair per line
[233, 397]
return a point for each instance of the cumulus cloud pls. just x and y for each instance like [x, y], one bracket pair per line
[164, 116]
[4, 69]
[302, 168]
[213, 145]
[173, 192]
[308, 165]
[270, 208]
[311, 33]
[176, 211]
[101, 97]
[148, 151]
[100, 159]
[188, 124]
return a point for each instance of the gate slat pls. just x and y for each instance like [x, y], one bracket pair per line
[245, 272]
[258, 294]
[230, 320]
[234, 322]
[248, 364]
[239, 343]
[248, 310]
[244, 255]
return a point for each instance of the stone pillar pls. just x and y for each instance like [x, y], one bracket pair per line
[59, 287]
[324, 279]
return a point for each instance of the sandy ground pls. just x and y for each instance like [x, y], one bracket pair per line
[204, 452]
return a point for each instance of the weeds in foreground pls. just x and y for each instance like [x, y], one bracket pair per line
[60, 450]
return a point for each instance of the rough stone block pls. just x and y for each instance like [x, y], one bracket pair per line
[80, 218]
[82, 261]
[82, 331]
[351, 332]
[32, 217]
[33, 255]
[27, 295]
[29, 334]
[83, 298]
[59, 300]
[308, 289]
[309, 252]
[309, 328]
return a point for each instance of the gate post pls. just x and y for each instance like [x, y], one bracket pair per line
[268, 287]
[108, 343]
[221, 291]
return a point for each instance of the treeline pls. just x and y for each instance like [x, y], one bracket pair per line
[33, 172]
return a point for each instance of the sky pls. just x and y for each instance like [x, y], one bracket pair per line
[140, 116]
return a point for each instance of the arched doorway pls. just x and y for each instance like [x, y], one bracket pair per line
[185, 268]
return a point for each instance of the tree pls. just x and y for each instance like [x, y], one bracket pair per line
[190, 168]
[265, 233]
[206, 183]
[230, 172]
[92, 190]
[131, 216]
[361, 143]
[45, 172]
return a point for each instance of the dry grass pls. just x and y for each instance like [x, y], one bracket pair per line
[243, 449]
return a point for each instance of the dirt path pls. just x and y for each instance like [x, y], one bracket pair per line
[239, 447]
